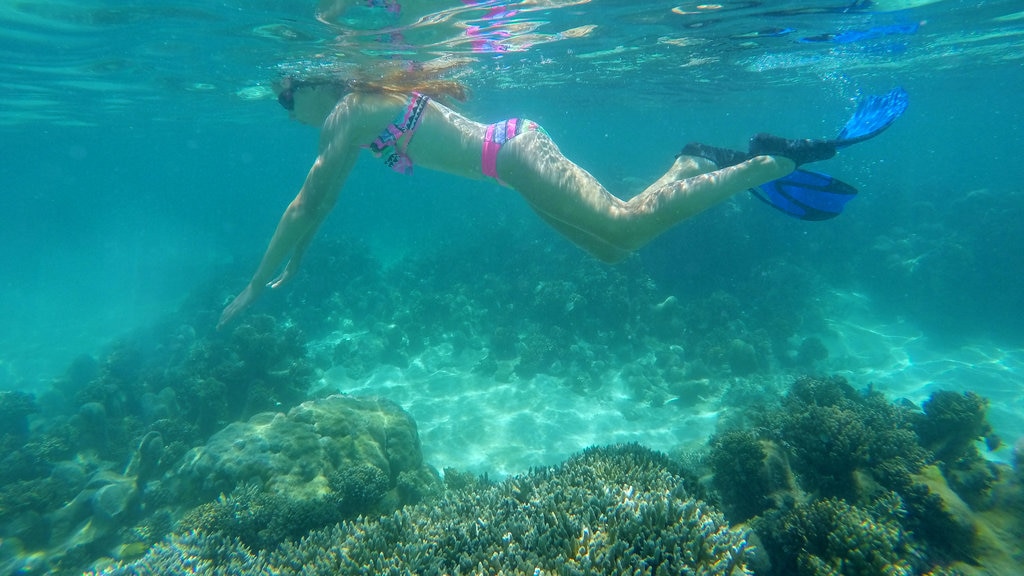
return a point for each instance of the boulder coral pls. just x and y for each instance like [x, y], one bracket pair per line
[302, 452]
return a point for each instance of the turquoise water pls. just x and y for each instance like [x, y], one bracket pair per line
[145, 162]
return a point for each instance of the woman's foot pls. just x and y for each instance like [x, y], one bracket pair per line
[799, 151]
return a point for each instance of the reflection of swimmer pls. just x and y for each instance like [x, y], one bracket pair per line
[364, 14]
[488, 23]
[491, 36]
[495, 10]
[765, 33]
[376, 14]
[487, 39]
[851, 36]
[404, 127]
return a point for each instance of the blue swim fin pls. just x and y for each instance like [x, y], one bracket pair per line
[806, 195]
[873, 115]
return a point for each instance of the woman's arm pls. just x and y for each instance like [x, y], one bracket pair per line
[305, 213]
[296, 258]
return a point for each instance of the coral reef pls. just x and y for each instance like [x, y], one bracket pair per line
[952, 423]
[89, 464]
[835, 481]
[302, 452]
[14, 410]
[741, 478]
[84, 510]
[830, 536]
[832, 432]
[324, 461]
[950, 427]
[259, 519]
[528, 316]
[610, 510]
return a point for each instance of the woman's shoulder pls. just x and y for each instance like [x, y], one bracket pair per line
[360, 116]
[389, 104]
[371, 102]
[372, 108]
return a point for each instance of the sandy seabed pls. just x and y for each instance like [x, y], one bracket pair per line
[476, 423]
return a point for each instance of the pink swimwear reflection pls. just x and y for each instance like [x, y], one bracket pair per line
[489, 38]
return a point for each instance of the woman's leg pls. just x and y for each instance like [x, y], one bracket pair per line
[683, 167]
[574, 202]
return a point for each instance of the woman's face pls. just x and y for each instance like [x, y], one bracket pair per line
[309, 102]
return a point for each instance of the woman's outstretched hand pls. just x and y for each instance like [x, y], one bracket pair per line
[289, 270]
[241, 302]
[253, 291]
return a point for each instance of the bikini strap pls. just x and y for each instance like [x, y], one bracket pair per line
[399, 133]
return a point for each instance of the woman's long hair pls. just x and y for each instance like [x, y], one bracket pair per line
[419, 79]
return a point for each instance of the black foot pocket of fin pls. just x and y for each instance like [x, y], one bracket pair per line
[722, 157]
[799, 151]
[806, 195]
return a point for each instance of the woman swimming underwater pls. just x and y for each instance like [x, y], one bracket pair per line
[405, 126]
